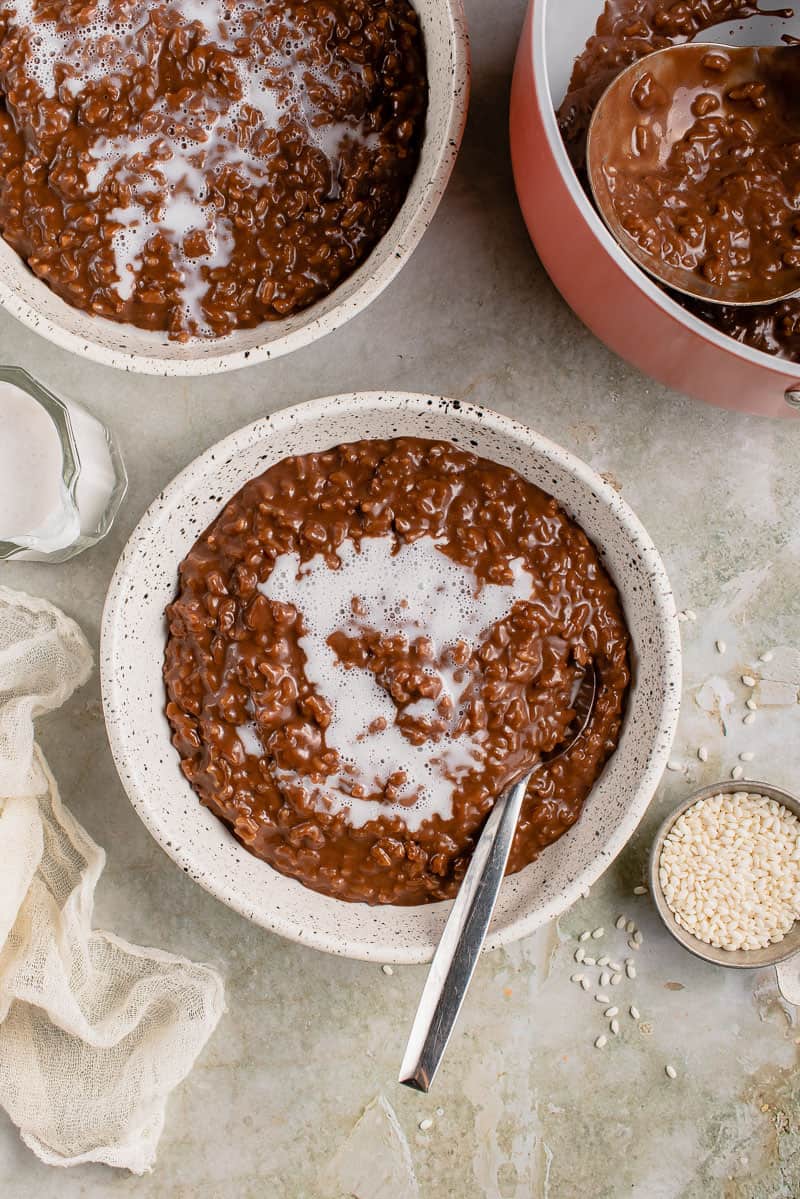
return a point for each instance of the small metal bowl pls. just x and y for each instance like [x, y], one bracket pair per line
[779, 955]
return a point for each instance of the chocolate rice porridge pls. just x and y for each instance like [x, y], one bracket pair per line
[201, 166]
[628, 30]
[369, 643]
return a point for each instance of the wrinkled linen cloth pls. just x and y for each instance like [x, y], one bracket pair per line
[94, 1032]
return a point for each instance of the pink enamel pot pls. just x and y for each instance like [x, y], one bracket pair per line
[618, 302]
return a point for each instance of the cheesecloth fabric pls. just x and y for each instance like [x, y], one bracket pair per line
[94, 1032]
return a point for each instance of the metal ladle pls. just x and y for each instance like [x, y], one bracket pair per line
[785, 955]
[614, 124]
[465, 931]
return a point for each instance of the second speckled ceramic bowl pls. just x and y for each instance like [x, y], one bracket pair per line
[31, 301]
[132, 651]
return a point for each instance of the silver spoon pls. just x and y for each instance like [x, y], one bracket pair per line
[614, 129]
[465, 931]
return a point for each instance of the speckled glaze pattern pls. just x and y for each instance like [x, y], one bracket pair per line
[134, 631]
[144, 352]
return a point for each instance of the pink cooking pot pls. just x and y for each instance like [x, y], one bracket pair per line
[616, 299]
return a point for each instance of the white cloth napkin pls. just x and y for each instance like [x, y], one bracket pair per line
[94, 1033]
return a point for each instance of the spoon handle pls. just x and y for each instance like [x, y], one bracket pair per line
[459, 949]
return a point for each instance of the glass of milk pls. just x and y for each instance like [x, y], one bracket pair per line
[62, 478]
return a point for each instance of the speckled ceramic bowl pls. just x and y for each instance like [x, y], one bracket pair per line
[132, 650]
[132, 349]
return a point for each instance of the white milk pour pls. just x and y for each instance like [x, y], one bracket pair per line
[418, 592]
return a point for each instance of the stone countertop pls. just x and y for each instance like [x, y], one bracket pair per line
[524, 1106]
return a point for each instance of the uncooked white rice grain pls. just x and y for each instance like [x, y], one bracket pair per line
[748, 680]
[630, 971]
[640, 890]
[597, 933]
[702, 753]
[616, 979]
[671, 1072]
[634, 1011]
[611, 1011]
[721, 647]
[580, 954]
[614, 1026]
[748, 846]
[601, 1042]
[585, 935]
[619, 922]
[767, 657]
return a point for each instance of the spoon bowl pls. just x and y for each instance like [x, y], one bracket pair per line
[640, 119]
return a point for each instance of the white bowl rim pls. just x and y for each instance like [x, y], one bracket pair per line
[538, 50]
[374, 283]
[235, 443]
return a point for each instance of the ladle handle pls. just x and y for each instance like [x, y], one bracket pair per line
[788, 973]
[459, 949]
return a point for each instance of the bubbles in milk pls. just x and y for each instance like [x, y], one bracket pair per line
[172, 172]
[417, 592]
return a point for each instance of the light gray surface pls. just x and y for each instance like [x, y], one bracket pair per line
[530, 1107]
